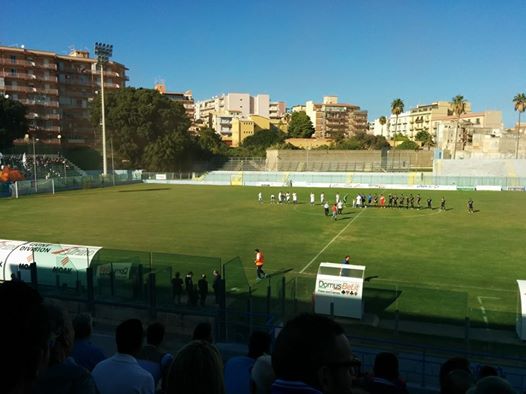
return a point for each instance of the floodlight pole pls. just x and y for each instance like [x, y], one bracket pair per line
[103, 52]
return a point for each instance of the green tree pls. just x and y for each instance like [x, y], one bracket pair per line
[149, 130]
[458, 105]
[383, 121]
[519, 103]
[397, 107]
[261, 140]
[425, 138]
[13, 122]
[211, 142]
[300, 125]
[408, 145]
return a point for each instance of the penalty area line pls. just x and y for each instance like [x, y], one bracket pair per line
[330, 242]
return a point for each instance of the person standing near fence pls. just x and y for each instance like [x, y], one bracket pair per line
[177, 288]
[219, 289]
[260, 261]
[202, 284]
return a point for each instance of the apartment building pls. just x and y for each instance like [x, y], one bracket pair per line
[331, 118]
[219, 112]
[56, 90]
[185, 98]
[450, 128]
[419, 118]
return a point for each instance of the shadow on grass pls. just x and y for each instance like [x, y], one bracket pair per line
[143, 190]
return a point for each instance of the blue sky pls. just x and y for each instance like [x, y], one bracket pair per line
[366, 52]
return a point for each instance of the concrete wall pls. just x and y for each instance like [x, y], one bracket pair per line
[275, 158]
[480, 168]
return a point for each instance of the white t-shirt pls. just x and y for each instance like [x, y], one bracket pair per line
[122, 374]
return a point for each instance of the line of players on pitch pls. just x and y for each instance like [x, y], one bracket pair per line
[362, 201]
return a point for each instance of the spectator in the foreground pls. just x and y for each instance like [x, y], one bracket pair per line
[121, 373]
[197, 369]
[84, 352]
[203, 332]
[63, 374]
[312, 355]
[262, 375]
[25, 333]
[492, 385]
[151, 357]
[386, 378]
[455, 376]
[237, 369]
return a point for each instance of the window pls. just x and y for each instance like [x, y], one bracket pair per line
[13, 59]
[13, 71]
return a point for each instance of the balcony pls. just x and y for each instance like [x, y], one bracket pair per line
[50, 104]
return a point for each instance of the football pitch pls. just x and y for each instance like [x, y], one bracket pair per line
[426, 263]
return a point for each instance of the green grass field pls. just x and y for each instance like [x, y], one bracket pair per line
[427, 264]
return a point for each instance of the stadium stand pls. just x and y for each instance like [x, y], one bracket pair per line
[47, 166]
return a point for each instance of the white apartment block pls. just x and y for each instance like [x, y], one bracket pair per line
[419, 118]
[218, 112]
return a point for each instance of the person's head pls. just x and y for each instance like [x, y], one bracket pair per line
[129, 335]
[155, 334]
[455, 376]
[203, 332]
[347, 258]
[487, 370]
[256, 250]
[203, 276]
[217, 274]
[262, 375]
[258, 344]
[83, 326]
[492, 385]
[62, 334]
[314, 349]
[386, 366]
[25, 329]
[197, 368]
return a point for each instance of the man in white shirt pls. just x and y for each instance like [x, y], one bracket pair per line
[312, 199]
[121, 373]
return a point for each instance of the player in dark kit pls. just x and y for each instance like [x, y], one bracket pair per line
[443, 204]
[429, 203]
[470, 205]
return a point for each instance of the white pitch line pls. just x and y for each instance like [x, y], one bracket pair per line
[330, 242]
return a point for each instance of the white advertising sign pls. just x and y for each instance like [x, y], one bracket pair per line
[339, 290]
[69, 262]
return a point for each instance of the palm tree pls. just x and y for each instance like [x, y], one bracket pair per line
[519, 102]
[397, 107]
[383, 121]
[458, 105]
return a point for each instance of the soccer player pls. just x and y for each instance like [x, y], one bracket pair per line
[294, 198]
[260, 197]
[334, 212]
[312, 199]
[443, 204]
[260, 260]
[382, 201]
[470, 205]
[337, 198]
[272, 198]
[322, 198]
[326, 208]
[429, 203]
[418, 201]
[340, 207]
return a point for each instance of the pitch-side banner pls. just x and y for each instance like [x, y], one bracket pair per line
[69, 262]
